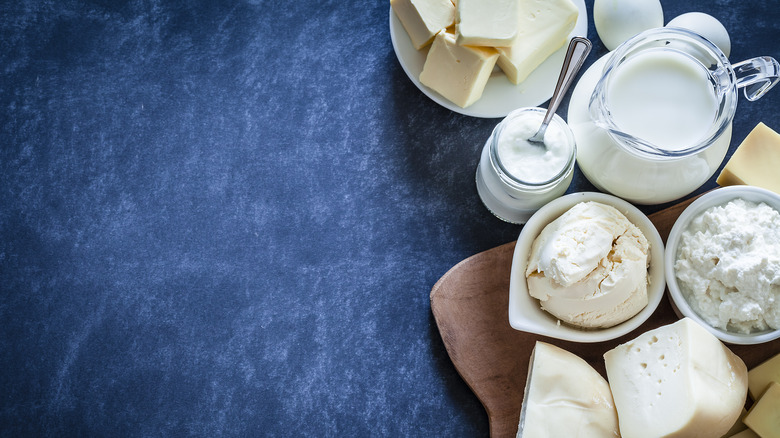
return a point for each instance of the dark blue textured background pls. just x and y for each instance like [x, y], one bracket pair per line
[225, 218]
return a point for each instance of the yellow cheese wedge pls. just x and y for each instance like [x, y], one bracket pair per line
[544, 28]
[763, 418]
[459, 73]
[761, 376]
[755, 162]
[423, 19]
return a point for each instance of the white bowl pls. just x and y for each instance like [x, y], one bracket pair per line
[525, 312]
[711, 199]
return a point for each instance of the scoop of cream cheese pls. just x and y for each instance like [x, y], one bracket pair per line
[589, 267]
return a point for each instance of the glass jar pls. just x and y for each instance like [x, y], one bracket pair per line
[513, 187]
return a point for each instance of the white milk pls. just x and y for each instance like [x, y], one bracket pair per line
[663, 97]
[636, 178]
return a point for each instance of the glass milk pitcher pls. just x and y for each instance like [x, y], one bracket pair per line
[662, 112]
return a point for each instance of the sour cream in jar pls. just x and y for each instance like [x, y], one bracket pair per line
[516, 177]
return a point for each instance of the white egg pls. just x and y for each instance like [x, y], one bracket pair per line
[619, 20]
[707, 26]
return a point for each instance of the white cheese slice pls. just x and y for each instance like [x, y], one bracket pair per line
[488, 23]
[544, 28]
[565, 397]
[459, 73]
[423, 19]
[677, 380]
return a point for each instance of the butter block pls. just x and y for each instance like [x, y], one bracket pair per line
[544, 27]
[755, 162]
[423, 19]
[459, 73]
[489, 23]
[565, 397]
[763, 418]
[762, 375]
[676, 380]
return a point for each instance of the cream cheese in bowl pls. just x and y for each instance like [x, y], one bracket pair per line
[723, 264]
[626, 300]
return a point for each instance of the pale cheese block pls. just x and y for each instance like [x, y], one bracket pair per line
[544, 28]
[489, 23]
[678, 380]
[762, 375]
[423, 19]
[763, 418]
[459, 73]
[565, 397]
[755, 162]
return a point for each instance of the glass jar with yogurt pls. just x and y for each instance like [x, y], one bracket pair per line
[653, 118]
[516, 177]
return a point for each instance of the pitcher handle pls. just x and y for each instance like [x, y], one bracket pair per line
[756, 76]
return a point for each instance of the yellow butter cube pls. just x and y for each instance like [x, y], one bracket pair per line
[459, 73]
[423, 19]
[544, 28]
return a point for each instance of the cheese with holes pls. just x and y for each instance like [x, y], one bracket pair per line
[762, 375]
[423, 19]
[677, 380]
[763, 418]
[755, 162]
[565, 397]
[490, 23]
[459, 73]
[544, 28]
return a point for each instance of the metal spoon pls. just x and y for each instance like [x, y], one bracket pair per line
[578, 50]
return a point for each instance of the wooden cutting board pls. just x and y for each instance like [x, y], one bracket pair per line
[470, 304]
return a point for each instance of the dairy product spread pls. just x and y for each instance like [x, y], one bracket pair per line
[423, 19]
[543, 28]
[532, 163]
[756, 160]
[459, 73]
[491, 23]
[565, 397]
[589, 267]
[677, 380]
[728, 266]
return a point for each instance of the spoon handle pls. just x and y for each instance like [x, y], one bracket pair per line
[578, 50]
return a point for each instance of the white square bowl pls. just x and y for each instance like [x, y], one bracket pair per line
[525, 312]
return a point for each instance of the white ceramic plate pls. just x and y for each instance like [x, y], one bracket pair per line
[500, 96]
[525, 312]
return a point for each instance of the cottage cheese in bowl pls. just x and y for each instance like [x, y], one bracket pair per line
[723, 261]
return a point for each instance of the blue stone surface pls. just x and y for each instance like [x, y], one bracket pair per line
[225, 218]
